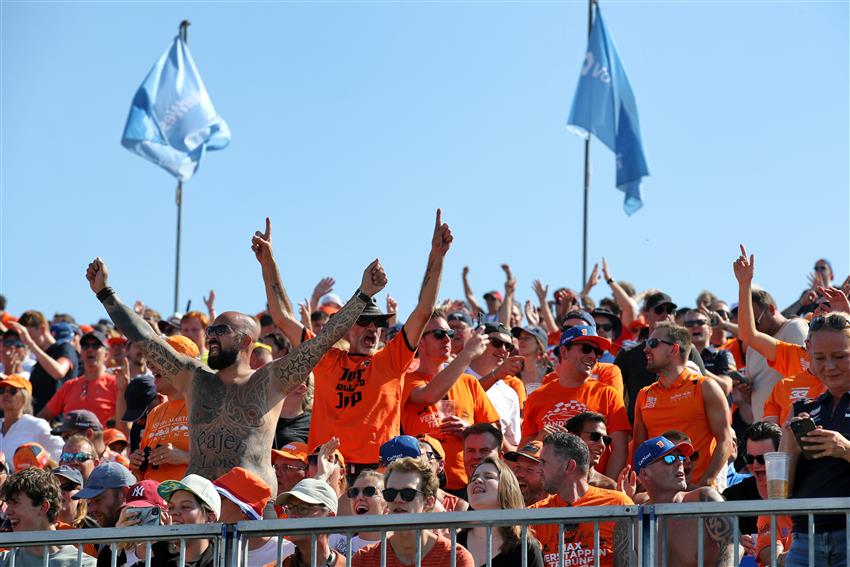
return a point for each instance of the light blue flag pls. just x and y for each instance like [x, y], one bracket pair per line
[172, 121]
[605, 106]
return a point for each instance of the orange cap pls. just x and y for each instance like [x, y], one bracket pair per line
[17, 381]
[112, 435]
[294, 450]
[435, 444]
[30, 455]
[184, 345]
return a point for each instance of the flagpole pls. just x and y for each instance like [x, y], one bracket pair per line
[184, 35]
[586, 168]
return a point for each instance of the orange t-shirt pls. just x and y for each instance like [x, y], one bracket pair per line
[473, 406]
[358, 399]
[553, 403]
[578, 542]
[680, 407]
[801, 386]
[733, 345]
[604, 372]
[439, 556]
[519, 388]
[783, 533]
[98, 396]
[167, 423]
[790, 360]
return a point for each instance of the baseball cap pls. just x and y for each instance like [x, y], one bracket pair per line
[184, 345]
[398, 447]
[62, 332]
[30, 455]
[81, 420]
[246, 490]
[112, 435]
[434, 443]
[117, 341]
[202, 488]
[530, 450]
[331, 299]
[655, 448]
[340, 460]
[462, 316]
[293, 450]
[537, 332]
[71, 474]
[493, 293]
[311, 491]
[171, 324]
[143, 494]
[140, 392]
[499, 329]
[96, 335]
[581, 314]
[615, 320]
[584, 334]
[17, 381]
[106, 475]
[658, 298]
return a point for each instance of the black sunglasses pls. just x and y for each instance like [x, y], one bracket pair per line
[607, 327]
[695, 323]
[407, 494]
[14, 343]
[441, 334]
[754, 459]
[653, 342]
[90, 346]
[69, 486]
[833, 321]
[666, 308]
[499, 343]
[820, 268]
[217, 330]
[8, 390]
[587, 348]
[368, 492]
[380, 323]
[596, 437]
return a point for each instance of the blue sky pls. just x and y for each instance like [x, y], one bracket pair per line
[353, 121]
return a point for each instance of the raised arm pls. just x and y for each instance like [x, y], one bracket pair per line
[440, 243]
[546, 317]
[763, 343]
[470, 296]
[507, 304]
[280, 307]
[628, 307]
[293, 369]
[439, 386]
[176, 368]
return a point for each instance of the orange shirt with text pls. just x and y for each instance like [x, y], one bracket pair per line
[604, 372]
[802, 386]
[166, 423]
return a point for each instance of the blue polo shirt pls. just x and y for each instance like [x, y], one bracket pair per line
[827, 477]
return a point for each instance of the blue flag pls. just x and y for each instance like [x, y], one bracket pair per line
[172, 121]
[604, 105]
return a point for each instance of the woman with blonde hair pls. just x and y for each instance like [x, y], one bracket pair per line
[493, 486]
[18, 425]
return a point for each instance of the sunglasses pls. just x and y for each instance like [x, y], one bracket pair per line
[75, 457]
[9, 390]
[13, 343]
[666, 308]
[836, 322]
[500, 344]
[588, 348]
[754, 459]
[441, 334]
[596, 437]
[68, 486]
[670, 459]
[380, 323]
[217, 330]
[90, 346]
[723, 313]
[607, 327]
[820, 268]
[368, 492]
[289, 468]
[695, 323]
[407, 494]
[653, 342]
[302, 510]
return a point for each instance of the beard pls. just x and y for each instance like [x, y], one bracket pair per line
[225, 357]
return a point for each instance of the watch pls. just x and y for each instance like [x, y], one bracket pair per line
[364, 296]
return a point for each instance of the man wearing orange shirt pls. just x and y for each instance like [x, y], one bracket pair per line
[564, 465]
[358, 392]
[573, 392]
[443, 402]
[684, 401]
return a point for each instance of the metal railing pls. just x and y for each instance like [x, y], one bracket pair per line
[648, 531]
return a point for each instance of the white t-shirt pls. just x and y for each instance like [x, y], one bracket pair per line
[30, 429]
[268, 552]
[506, 401]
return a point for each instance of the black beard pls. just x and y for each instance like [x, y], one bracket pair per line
[225, 357]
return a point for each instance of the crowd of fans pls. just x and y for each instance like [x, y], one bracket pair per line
[552, 403]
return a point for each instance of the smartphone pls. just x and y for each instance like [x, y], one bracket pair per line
[148, 516]
[480, 319]
[737, 376]
[801, 428]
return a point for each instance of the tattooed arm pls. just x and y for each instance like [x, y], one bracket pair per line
[175, 367]
[623, 544]
[294, 368]
[440, 243]
[280, 307]
[718, 529]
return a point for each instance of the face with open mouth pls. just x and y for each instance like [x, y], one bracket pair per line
[23, 514]
[222, 345]
[365, 339]
[483, 489]
[365, 496]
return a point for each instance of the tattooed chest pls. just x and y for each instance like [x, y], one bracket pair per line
[233, 406]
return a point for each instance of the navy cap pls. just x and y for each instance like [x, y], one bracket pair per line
[581, 314]
[498, 329]
[655, 448]
[537, 332]
[584, 334]
[96, 335]
[81, 419]
[62, 332]
[399, 447]
[73, 475]
[106, 475]
[658, 298]
[140, 392]
[462, 316]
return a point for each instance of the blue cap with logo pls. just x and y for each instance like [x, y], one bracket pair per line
[62, 332]
[399, 447]
[655, 448]
[584, 334]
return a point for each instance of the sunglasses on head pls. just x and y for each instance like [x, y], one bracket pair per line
[217, 330]
[833, 321]
[695, 323]
[380, 323]
[667, 308]
[75, 457]
[407, 494]
[500, 344]
[654, 342]
[90, 346]
[8, 390]
[368, 492]
[587, 348]
[441, 334]
[13, 343]
[670, 459]
[754, 459]
[596, 437]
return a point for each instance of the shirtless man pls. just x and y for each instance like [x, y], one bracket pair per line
[233, 410]
[659, 464]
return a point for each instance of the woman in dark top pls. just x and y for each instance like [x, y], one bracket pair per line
[494, 487]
